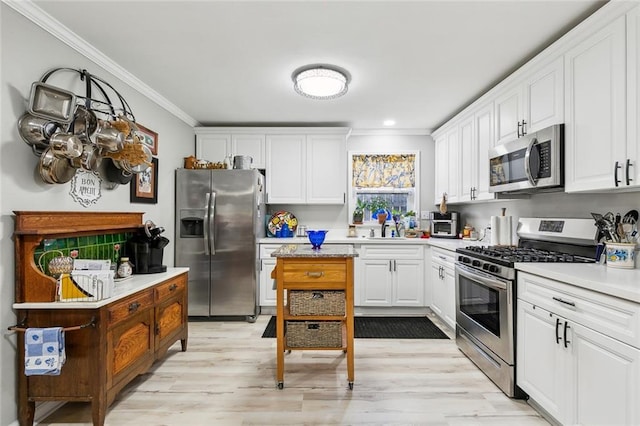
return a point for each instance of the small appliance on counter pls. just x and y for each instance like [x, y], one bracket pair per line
[146, 249]
[444, 225]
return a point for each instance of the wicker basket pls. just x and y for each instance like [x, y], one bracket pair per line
[316, 302]
[314, 334]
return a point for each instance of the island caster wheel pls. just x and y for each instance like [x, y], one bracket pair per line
[280, 385]
[350, 385]
[252, 318]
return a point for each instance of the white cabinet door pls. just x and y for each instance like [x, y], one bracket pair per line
[408, 286]
[267, 290]
[376, 286]
[483, 136]
[509, 114]
[452, 166]
[441, 166]
[213, 147]
[252, 145]
[540, 362]
[595, 115]
[449, 310]
[604, 375]
[326, 169]
[438, 289]
[544, 97]
[467, 158]
[286, 174]
[633, 96]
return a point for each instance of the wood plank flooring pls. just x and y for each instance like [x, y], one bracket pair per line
[227, 377]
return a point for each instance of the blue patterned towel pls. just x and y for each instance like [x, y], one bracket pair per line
[44, 352]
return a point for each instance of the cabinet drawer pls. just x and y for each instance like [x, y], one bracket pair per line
[443, 256]
[320, 272]
[388, 251]
[130, 306]
[170, 288]
[611, 316]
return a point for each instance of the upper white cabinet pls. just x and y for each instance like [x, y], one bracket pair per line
[597, 149]
[306, 168]
[447, 166]
[530, 105]
[216, 143]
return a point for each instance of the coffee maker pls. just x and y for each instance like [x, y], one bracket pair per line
[146, 249]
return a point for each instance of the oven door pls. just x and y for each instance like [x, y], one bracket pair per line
[485, 309]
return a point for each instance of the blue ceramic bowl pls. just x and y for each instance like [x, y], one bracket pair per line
[316, 238]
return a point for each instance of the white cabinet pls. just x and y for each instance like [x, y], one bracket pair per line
[443, 285]
[595, 141]
[214, 147]
[266, 287]
[447, 166]
[216, 143]
[578, 353]
[286, 163]
[306, 168]
[530, 105]
[391, 275]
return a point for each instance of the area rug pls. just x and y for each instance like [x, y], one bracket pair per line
[384, 328]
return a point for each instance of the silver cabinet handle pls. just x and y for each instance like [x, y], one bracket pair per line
[557, 299]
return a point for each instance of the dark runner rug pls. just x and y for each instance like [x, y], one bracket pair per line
[384, 328]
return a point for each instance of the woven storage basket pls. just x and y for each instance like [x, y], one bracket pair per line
[316, 302]
[314, 334]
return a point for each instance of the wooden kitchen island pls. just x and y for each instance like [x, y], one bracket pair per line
[317, 311]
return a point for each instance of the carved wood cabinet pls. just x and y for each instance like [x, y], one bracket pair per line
[109, 342]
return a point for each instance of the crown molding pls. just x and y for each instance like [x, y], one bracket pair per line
[390, 132]
[35, 14]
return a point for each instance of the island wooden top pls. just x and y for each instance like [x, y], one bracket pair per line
[305, 250]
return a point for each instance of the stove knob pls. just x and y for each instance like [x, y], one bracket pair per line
[464, 259]
[494, 269]
[476, 263]
[486, 266]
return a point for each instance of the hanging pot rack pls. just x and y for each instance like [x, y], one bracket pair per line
[103, 106]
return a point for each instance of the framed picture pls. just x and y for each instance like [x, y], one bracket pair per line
[144, 185]
[149, 138]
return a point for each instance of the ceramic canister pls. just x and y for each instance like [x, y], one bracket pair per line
[621, 255]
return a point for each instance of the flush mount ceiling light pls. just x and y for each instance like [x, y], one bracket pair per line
[321, 81]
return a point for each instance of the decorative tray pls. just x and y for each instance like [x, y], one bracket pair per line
[280, 218]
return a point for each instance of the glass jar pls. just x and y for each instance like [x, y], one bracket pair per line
[124, 268]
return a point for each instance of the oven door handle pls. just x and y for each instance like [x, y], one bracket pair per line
[485, 279]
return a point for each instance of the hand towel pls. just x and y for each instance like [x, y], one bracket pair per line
[44, 351]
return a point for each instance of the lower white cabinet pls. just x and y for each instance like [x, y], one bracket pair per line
[266, 289]
[390, 276]
[575, 372]
[443, 285]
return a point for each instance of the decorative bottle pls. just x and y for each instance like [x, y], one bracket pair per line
[124, 268]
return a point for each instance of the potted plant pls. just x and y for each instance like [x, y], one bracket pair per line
[358, 212]
[379, 208]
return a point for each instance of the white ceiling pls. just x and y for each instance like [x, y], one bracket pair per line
[230, 62]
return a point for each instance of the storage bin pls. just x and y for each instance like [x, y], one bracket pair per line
[313, 334]
[316, 302]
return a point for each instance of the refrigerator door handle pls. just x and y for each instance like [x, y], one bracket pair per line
[212, 221]
[206, 228]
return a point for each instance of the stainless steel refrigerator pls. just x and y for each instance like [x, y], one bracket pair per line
[219, 217]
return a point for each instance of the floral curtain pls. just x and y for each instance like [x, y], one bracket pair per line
[384, 170]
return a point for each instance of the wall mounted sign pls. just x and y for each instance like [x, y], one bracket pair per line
[85, 187]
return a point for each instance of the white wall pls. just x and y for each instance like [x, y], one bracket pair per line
[337, 217]
[27, 52]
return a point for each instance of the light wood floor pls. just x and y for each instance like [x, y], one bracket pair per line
[227, 377]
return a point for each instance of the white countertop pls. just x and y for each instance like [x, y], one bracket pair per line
[622, 283]
[446, 243]
[122, 290]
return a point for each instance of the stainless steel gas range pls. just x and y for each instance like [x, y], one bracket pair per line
[486, 289]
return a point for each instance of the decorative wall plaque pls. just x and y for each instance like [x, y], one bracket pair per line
[85, 187]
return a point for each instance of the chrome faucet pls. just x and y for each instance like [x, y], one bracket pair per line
[384, 230]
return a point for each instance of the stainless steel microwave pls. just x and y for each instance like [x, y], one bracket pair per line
[530, 163]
